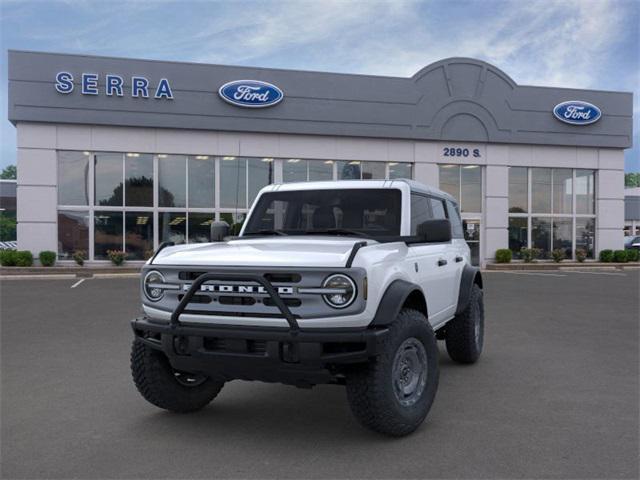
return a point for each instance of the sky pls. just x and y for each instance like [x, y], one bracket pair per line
[566, 43]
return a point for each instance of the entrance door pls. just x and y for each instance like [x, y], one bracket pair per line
[472, 236]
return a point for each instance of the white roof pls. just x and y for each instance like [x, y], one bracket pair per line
[400, 183]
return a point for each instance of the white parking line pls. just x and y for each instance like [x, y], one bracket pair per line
[533, 273]
[598, 273]
[78, 283]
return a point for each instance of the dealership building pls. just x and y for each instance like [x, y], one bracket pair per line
[117, 153]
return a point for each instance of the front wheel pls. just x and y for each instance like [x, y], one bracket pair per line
[167, 388]
[394, 393]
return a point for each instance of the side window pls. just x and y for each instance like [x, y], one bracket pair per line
[437, 206]
[420, 211]
[454, 218]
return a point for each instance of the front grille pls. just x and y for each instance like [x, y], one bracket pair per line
[273, 277]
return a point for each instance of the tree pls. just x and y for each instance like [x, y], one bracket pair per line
[632, 180]
[9, 173]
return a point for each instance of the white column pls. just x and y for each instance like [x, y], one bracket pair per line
[496, 210]
[610, 200]
[37, 188]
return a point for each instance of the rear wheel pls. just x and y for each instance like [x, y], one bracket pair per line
[393, 394]
[464, 335]
[167, 388]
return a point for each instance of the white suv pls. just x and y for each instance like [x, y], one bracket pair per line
[347, 282]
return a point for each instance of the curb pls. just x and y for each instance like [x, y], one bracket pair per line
[78, 272]
[498, 267]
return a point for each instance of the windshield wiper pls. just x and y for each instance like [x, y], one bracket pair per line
[337, 231]
[267, 232]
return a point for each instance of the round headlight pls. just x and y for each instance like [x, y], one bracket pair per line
[345, 291]
[152, 285]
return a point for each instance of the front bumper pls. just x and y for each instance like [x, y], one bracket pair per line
[301, 357]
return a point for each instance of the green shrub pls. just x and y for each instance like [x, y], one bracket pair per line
[47, 258]
[558, 255]
[526, 254]
[503, 255]
[117, 257]
[80, 256]
[24, 258]
[606, 256]
[633, 255]
[8, 258]
[620, 256]
[581, 254]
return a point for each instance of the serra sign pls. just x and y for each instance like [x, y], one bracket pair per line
[113, 85]
[250, 93]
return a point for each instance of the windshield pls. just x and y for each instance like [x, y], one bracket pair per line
[372, 212]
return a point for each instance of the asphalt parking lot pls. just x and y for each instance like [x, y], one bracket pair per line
[555, 395]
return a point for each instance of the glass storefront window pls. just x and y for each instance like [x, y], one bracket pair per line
[399, 170]
[107, 233]
[562, 190]
[373, 170]
[200, 227]
[138, 237]
[517, 235]
[172, 185]
[172, 227]
[108, 179]
[349, 170]
[202, 180]
[563, 235]
[73, 233]
[138, 174]
[260, 175]
[233, 182]
[585, 235]
[320, 170]
[541, 190]
[464, 184]
[73, 178]
[294, 170]
[585, 192]
[518, 190]
[541, 235]
[471, 188]
[450, 180]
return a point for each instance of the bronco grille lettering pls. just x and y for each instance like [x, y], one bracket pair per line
[250, 289]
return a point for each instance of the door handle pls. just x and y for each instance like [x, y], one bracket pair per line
[442, 262]
[459, 259]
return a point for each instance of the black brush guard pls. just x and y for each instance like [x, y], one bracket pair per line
[294, 328]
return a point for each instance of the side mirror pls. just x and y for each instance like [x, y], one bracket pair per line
[435, 231]
[219, 230]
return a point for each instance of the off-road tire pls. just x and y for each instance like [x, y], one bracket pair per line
[156, 381]
[370, 388]
[463, 341]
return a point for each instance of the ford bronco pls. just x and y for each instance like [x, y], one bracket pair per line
[347, 282]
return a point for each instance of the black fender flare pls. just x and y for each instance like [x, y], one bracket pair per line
[392, 301]
[470, 275]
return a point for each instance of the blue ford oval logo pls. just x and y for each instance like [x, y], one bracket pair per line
[250, 93]
[577, 112]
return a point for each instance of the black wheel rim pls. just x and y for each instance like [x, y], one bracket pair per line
[189, 379]
[409, 373]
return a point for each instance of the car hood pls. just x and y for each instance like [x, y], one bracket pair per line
[304, 251]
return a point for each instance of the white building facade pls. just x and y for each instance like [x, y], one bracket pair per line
[115, 171]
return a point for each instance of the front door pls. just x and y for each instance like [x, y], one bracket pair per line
[472, 236]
